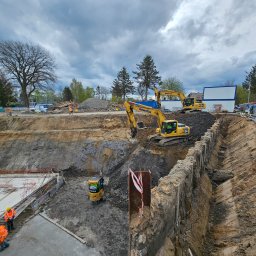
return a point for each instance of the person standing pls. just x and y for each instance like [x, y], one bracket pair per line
[3, 235]
[9, 216]
[70, 107]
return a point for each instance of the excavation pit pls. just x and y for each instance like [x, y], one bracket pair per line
[190, 213]
[81, 147]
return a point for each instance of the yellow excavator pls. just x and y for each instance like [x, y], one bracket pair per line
[168, 132]
[188, 104]
[96, 189]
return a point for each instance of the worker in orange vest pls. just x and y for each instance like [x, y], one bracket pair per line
[70, 107]
[9, 217]
[3, 235]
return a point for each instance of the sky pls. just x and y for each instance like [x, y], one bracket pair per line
[202, 43]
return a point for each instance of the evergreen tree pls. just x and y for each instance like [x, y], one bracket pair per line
[250, 80]
[67, 94]
[122, 85]
[147, 75]
[6, 91]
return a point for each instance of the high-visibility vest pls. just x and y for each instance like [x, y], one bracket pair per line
[9, 215]
[3, 233]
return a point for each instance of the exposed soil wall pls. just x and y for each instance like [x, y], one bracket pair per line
[232, 169]
[206, 204]
[180, 197]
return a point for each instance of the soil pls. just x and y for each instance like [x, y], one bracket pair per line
[103, 226]
[232, 215]
[83, 146]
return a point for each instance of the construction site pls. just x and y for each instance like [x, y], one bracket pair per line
[202, 190]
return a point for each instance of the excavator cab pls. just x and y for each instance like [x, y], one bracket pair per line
[169, 127]
[188, 102]
[193, 104]
[96, 189]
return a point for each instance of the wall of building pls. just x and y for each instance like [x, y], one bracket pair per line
[225, 105]
[220, 98]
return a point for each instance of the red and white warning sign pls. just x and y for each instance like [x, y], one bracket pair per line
[139, 190]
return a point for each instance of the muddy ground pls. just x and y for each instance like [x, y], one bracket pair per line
[82, 147]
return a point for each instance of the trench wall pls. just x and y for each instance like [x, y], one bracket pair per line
[179, 209]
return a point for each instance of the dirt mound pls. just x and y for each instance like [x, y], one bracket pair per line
[198, 122]
[93, 103]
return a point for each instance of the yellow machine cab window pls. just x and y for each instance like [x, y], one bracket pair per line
[169, 127]
[95, 184]
[188, 101]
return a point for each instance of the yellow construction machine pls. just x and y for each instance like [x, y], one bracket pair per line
[168, 131]
[188, 104]
[96, 189]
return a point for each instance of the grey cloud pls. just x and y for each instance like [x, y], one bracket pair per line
[93, 39]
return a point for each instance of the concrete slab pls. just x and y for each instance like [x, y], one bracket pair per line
[15, 188]
[40, 237]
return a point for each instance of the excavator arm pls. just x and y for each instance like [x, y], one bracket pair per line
[158, 95]
[130, 106]
[187, 103]
[131, 118]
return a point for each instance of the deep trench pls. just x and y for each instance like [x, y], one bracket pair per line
[206, 205]
[230, 169]
[218, 212]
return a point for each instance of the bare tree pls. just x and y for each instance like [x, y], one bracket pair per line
[30, 65]
[104, 92]
[141, 91]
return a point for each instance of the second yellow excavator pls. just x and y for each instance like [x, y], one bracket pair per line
[188, 104]
[168, 131]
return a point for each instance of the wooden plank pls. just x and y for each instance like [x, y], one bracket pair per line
[61, 227]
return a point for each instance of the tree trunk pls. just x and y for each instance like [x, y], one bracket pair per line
[146, 96]
[25, 97]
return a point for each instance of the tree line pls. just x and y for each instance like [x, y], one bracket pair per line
[31, 69]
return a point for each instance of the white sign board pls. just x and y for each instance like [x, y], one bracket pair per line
[220, 93]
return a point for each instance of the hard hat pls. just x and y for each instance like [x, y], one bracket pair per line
[8, 209]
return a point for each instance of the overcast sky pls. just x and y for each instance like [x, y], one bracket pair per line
[200, 42]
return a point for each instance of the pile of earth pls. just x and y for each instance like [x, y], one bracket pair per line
[198, 122]
[93, 103]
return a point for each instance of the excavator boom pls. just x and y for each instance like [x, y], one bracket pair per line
[167, 131]
[187, 103]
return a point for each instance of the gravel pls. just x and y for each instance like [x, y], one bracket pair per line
[93, 103]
